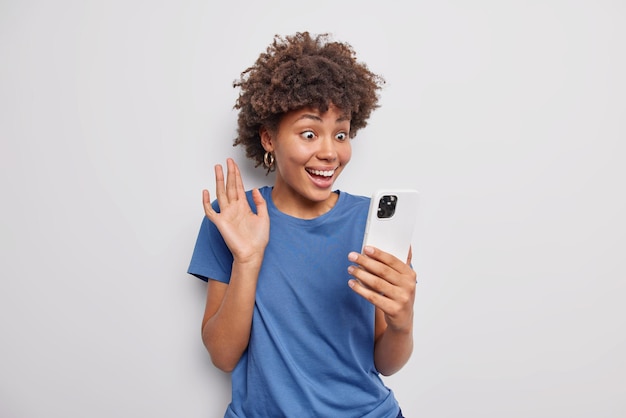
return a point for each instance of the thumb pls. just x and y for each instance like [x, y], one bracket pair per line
[206, 202]
[259, 201]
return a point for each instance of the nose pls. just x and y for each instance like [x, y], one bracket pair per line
[328, 149]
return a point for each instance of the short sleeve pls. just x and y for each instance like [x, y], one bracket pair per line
[211, 258]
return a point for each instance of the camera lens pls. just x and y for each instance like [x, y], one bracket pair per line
[387, 206]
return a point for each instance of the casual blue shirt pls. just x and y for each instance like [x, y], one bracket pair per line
[311, 349]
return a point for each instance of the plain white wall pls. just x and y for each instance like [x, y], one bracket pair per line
[508, 116]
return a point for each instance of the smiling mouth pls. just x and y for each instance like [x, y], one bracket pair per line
[321, 173]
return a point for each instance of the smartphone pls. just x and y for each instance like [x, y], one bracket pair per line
[391, 221]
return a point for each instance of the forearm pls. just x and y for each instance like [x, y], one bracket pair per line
[226, 333]
[392, 350]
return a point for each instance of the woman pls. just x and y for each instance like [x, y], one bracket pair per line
[303, 320]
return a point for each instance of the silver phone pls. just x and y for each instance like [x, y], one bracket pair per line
[391, 221]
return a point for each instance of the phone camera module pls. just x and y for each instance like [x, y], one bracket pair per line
[387, 206]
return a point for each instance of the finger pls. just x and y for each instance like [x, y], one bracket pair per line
[374, 267]
[206, 202]
[231, 180]
[410, 256]
[220, 191]
[378, 299]
[385, 261]
[241, 192]
[396, 310]
[370, 281]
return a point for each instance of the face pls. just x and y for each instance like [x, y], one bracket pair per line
[310, 150]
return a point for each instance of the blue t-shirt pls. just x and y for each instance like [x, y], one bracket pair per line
[311, 349]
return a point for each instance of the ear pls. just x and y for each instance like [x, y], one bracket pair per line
[266, 139]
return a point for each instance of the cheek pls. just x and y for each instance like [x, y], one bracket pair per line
[345, 154]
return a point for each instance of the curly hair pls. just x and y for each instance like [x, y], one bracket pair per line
[302, 71]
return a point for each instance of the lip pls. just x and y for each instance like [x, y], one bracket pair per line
[322, 182]
[311, 170]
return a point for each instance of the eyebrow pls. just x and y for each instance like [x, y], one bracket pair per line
[314, 117]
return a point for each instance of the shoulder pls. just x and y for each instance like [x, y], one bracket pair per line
[353, 199]
[355, 207]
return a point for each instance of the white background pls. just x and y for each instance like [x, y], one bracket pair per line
[508, 116]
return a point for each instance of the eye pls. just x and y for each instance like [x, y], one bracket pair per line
[308, 135]
[341, 136]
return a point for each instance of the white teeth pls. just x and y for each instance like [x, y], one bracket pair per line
[327, 173]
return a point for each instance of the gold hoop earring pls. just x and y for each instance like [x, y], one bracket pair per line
[268, 161]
